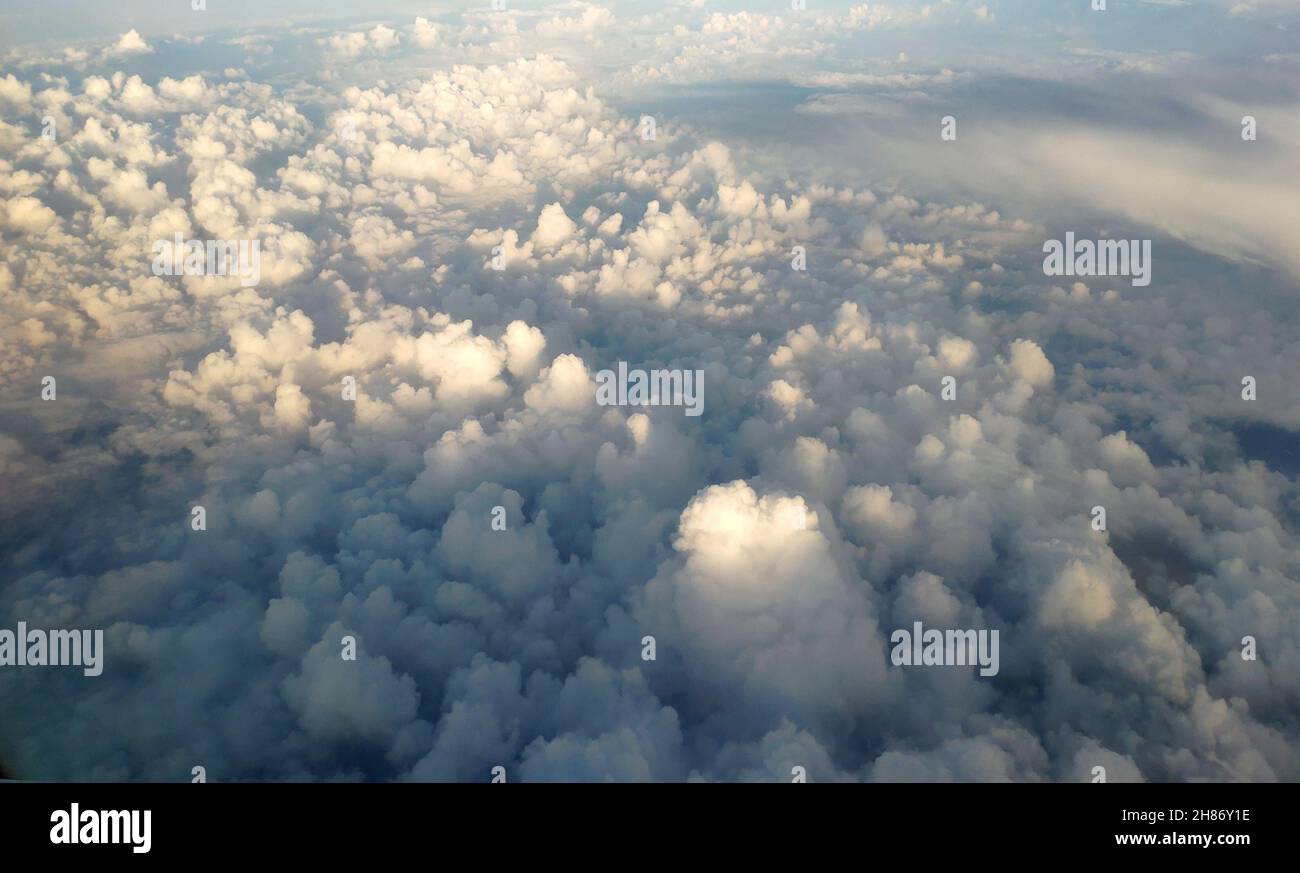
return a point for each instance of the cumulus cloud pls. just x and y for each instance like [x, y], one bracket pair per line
[396, 440]
[130, 43]
[424, 32]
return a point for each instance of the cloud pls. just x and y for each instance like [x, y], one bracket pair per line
[424, 32]
[131, 43]
[395, 437]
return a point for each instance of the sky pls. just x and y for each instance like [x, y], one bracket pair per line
[428, 551]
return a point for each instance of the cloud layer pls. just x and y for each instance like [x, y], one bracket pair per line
[462, 218]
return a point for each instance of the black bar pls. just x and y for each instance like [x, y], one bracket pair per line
[336, 822]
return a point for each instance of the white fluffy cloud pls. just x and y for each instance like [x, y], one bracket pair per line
[130, 43]
[395, 434]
